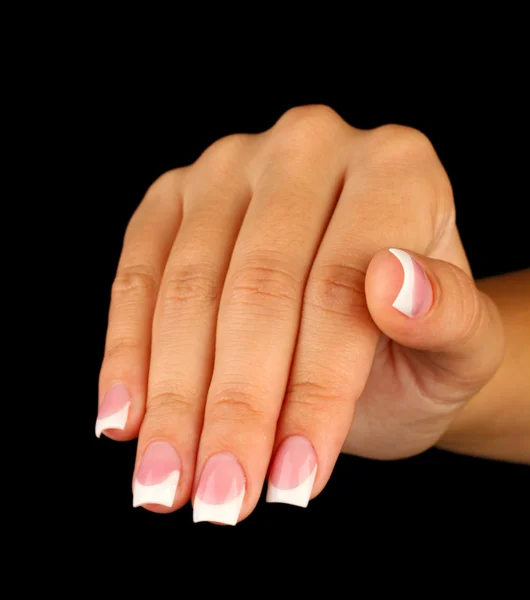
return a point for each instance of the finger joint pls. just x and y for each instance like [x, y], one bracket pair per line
[191, 286]
[337, 290]
[309, 402]
[265, 285]
[118, 347]
[133, 282]
[161, 404]
[238, 405]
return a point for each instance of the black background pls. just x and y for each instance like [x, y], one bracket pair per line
[144, 127]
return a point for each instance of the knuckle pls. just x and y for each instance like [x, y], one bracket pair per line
[122, 347]
[396, 145]
[134, 281]
[238, 405]
[224, 153]
[165, 186]
[304, 129]
[195, 286]
[469, 307]
[311, 115]
[309, 392]
[265, 282]
[337, 290]
[311, 402]
[166, 181]
[164, 403]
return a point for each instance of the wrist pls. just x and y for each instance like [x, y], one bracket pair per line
[495, 423]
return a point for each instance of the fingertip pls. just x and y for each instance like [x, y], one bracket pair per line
[293, 471]
[430, 304]
[384, 281]
[121, 426]
[120, 411]
[400, 296]
[117, 435]
[221, 490]
[157, 484]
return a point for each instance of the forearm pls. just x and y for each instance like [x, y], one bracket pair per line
[496, 422]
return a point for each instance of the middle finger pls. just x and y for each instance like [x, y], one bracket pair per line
[293, 199]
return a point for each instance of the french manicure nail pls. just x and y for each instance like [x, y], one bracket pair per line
[415, 297]
[293, 472]
[221, 490]
[114, 409]
[158, 475]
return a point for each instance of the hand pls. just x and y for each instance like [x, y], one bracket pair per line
[273, 288]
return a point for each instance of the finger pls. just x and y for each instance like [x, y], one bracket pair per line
[294, 196]
[443, 323]
[123, 376]
[215, 198]
[384, 186]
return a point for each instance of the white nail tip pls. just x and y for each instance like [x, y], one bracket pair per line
[405, 299]
[116, 421]
[161, 493]
[227, 513]
[298, 496]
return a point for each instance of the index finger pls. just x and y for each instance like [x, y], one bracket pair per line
[388, 198]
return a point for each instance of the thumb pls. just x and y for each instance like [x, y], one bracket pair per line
[433, 308]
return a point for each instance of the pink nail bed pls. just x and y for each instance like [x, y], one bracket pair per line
[157, 476]
[293, 472]
[221, 490]
[114, 409]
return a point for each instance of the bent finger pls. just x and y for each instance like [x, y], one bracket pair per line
[435, 312]
[215, 200]
[294, 196]
[338, 338]
[147, 242]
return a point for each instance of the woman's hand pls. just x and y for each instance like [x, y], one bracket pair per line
[273, 288]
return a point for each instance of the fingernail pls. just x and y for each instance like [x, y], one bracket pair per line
[114, 409]
[415, 297]
[220, 492]
[293, 472]
[158, 475]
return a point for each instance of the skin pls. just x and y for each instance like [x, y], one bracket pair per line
[496, 422]
[253, 301]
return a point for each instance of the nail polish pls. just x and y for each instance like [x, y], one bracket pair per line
[293, 472]
[415, 296]
[220, 492]
[157, 476]
[114, 409]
